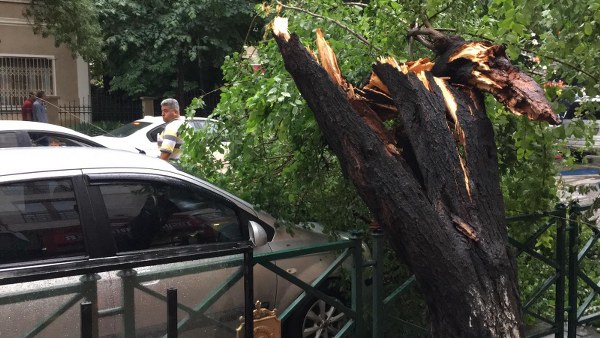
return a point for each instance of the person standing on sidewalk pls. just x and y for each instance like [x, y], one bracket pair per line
[27, 107]
[39, 109]
[169, 142]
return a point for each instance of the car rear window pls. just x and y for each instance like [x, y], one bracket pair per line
[127, 129]
[39, 220]
[11, 139]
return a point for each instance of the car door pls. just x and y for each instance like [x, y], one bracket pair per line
[42, 235]
[152, 214]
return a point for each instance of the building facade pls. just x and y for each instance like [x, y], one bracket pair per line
[29, 62]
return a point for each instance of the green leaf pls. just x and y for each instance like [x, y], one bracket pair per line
[587, 28]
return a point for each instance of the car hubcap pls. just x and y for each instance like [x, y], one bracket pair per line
[322, 321]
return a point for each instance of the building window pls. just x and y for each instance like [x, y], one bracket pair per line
[20, 75]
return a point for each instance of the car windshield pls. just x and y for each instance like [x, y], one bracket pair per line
[210, 127]
[127, 129]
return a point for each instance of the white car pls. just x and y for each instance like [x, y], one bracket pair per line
[140, 135]
[32, 134]
[118, 229]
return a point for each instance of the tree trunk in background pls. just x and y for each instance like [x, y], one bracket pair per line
[432, 181]
[180, 82]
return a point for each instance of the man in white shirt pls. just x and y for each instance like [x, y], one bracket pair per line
[169, 142]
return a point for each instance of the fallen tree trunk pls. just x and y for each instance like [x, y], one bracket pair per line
[432, 181]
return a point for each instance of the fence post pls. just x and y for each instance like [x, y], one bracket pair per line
[559, 309]
[378, 284]
[171, 313]
[249, 293]
[87, 328]
[128, 282]
[573, 261]
[89, 292]
[357, 282]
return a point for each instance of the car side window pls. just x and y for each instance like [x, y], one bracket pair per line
[153, 134]
[39, 220]
[12, 139]
[39, 138]
[147, 215]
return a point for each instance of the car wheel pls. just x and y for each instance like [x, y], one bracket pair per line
[316, 319]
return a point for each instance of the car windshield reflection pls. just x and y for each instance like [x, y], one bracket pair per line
[127, 129]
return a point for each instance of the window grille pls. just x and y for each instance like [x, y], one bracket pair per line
[21, 75]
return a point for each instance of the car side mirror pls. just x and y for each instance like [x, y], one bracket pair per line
[258, 235]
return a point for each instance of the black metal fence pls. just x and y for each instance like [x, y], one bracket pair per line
[8, 112]
[115, 107]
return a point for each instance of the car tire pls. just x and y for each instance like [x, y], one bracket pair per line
[315, 318]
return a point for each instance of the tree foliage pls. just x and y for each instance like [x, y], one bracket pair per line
[277, 155]
[73, 23]
[154, 47]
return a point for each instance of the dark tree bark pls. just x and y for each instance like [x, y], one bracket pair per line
[432, 182]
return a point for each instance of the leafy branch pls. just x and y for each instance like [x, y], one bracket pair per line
[562, 62]
[336, 22]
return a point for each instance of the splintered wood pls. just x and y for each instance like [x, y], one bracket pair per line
[492, 72]
[429, 117]
[374, 104]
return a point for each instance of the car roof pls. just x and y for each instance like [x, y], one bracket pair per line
[43, 159]
[36, 126]
[157, 119]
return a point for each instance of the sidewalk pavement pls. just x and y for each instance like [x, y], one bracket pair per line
[582, 332]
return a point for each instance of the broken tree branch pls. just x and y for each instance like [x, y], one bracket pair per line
[537, 53]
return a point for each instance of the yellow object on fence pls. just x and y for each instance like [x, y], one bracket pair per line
[266, 323]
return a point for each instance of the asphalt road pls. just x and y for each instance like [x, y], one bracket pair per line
[586, 179]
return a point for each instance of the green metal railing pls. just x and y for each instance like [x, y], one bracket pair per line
[564, 225]
[572, 303]
[132, 281]
[573, 289]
